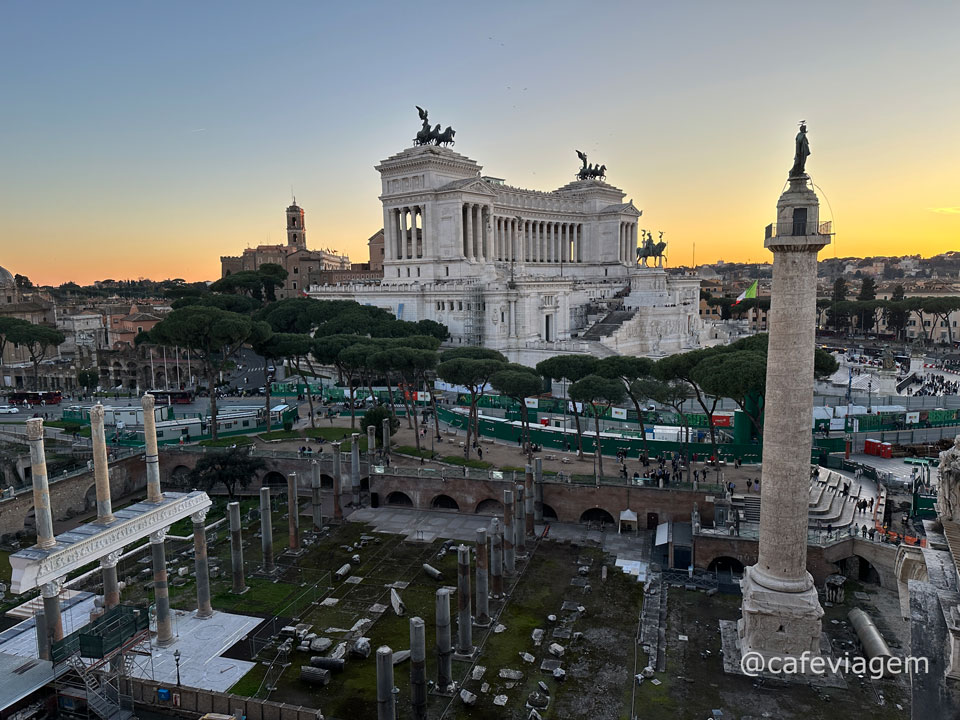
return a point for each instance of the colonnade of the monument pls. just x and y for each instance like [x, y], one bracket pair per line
[405, 233]
[537, 241]
[628, 242]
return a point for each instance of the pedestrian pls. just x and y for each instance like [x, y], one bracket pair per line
[863, 531]
[749, 484]
[479, 453]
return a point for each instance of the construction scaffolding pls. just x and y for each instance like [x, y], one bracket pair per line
[101, 656]
[473, 321]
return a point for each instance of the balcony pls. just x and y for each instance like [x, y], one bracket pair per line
[797, 229]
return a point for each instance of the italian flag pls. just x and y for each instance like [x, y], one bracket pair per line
[750, 292]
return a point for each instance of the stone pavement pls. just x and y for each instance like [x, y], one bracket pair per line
[429, 525]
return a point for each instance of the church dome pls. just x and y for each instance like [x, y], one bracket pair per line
[5, 277]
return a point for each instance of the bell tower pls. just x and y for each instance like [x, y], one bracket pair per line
[296, 232]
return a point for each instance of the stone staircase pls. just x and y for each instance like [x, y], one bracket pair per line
[750, 505]
[610, 323]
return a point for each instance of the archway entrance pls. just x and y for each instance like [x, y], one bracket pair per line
[444, 502]
[274, 479]
[489, 507]
[596, 515]
[859, 569]
[549, 513]
[399, 498]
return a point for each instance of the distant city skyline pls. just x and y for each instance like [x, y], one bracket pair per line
[147, 141]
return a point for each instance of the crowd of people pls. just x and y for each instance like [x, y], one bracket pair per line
[935, 385]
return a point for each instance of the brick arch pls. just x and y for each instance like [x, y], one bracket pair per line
[179, 476]
[399, 498]
[326, 481]
[489, 506]
[444, 502]
[549, 513]
[597, 514]
[90, 497]
[272, 478]
[726, 563]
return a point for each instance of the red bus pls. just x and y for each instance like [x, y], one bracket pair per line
[172, 397]
[35, 397]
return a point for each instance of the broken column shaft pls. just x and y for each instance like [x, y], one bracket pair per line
[385, 433]
[43, 640]
[444, 649]
[204, 608]
[519, 536]
[371, 444]
[483, 596]
[152, 456]
[464, 620]
[316, 506]
[101, 468]
[160, 589]
[496, 559]
[418, 668]
[508, 559]
[386, 700]
[266, 531]
[355, 468]
[236, 549]
[111, 586]
[337, 482]
[538, 490]
[293, 514]
[528, 503]
[51, 610]
[41, 488]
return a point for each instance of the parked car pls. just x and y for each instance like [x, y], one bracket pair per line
[8, 410]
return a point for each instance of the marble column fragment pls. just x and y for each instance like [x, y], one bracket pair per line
[43, 639]
[355, 468]
[508, 537]
[371, 444]
[204, 608]
[464, 619]
[293, 514]
[316, 501]
[483, 589]
[496, 559]
[101, 468]
[236, 549]
[444, 646]
[160, 590]
[529, 526]
[337, 482]
[418, 668]
[519, 536]
[111, 585]
[152, 456]
[50, 591]
[386, 700]
[41, 487]
[385, 434]
[266, 531]
[538, 490]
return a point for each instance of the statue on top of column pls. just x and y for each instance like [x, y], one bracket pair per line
[428, 136]
[590, 172]
[801, 153]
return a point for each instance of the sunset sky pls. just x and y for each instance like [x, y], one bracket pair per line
[147, 139]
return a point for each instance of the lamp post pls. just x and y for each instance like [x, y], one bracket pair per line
[869, 396]
[176, 659]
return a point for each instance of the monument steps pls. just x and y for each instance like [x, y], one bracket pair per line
[610, 323]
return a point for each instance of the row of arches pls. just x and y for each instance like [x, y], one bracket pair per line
[488, 506]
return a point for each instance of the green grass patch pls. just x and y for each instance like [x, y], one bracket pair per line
[279, 435]
[227, 441]
[477, 464]
[250, 683]
[69, 426]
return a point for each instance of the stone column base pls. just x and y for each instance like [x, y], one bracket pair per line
[776, 623]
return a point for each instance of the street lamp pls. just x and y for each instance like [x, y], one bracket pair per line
[176, 659]
[869, 396]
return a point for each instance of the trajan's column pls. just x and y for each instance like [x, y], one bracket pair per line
[781, 612]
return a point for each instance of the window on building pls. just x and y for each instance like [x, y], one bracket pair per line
[418, 272]
[294, 285]
[408, 272]
[460, 306]
[501, 316]
[296, 270]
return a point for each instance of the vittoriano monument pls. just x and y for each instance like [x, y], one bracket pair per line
[426, 136]
[781, 612]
